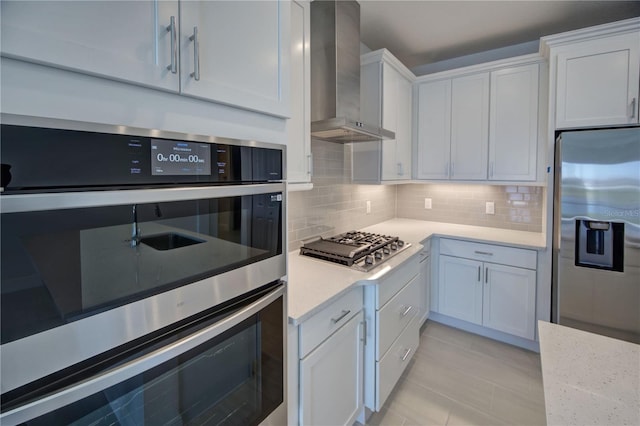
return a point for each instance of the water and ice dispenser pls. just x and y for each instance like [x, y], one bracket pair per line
[600, 244]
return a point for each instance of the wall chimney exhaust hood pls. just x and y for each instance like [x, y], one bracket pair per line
[335, 75]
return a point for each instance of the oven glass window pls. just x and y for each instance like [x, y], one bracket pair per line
[233, 379]
[62, 265]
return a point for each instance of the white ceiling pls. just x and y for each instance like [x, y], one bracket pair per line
[425, 32]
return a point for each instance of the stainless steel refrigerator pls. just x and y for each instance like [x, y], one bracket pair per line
[596, 247]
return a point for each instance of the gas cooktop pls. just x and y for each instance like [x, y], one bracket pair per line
[358, 250]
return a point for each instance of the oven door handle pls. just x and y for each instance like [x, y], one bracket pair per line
[133, 368]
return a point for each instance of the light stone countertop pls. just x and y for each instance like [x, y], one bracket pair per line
[314, 283]
[589, 379]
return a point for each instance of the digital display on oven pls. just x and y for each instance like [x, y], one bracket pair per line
[180, 158]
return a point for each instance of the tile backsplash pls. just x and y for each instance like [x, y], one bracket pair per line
[516, 207]
[335, 205]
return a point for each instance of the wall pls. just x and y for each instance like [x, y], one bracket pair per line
[334, 205]
[516, 207]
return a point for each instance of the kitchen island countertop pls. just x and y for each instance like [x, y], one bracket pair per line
[313, 283]
[589, 379]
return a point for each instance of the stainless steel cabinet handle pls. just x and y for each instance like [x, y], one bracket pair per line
[406, 311]
[406, 354]
[364, 332]
[447, 168]
[486, 253]
[342, 315]
[453, 169]
[491, 169]
[310, 168]
[633, 108]
[196, 55]
[486, 275]
[173, 67]
[478, 274]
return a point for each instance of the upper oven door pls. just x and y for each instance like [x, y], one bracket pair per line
[86, 272]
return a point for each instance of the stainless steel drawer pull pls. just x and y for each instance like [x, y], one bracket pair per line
[406, 354]
[196, 55]
[342, 315]
[478, 274]
[633, 108]
[404, 314]
[486, 275]
[486, 253]
[173, 67]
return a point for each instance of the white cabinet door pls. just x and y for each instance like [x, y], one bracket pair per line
[331, 378]
[597, 82]
[469, 127]
[240, 55]
[434, 130]
[509, 300]
[513, 129]
[122, 40]
[396, 116]
[298, 126]
[460, 288]
[425, 277]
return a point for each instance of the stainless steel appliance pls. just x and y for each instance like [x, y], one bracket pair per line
[335, 75]
[141, 276]
[358, 250]
[596, 261]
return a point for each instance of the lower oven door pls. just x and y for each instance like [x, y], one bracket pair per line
[227, 368]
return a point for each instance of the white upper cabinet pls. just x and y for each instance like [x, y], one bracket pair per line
[123, 40]
[513, 126]
[597, 82]
[237, 53]
[230, 52]
[469, 127]
[594, 75]
[386, 100]
[434, 130]
[299, 159]
[479, 123]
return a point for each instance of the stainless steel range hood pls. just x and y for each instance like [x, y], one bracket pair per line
[335, 75]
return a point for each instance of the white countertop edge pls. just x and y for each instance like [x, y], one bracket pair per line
[588, 378]
[339, 289]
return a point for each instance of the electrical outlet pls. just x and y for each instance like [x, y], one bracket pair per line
[490, 207]
[427, 203]
[368, 207]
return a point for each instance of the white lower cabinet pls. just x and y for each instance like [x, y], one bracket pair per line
[331, 378]
[492, 286]
[393, 311]
[331, 363]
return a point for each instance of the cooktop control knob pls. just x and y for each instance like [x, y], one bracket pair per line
[368, 260]
[378, 254]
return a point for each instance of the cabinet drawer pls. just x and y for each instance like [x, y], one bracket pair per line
[396, 314]
[396, 279]
[390, 367]
[320, 326]
[521, 258]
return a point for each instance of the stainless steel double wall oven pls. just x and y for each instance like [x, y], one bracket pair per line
[141, 277]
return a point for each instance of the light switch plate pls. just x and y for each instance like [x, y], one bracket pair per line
[427, 203]
[490, 207]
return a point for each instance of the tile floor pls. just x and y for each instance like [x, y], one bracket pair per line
[458, 378]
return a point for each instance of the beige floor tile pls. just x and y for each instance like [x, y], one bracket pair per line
[440, 376]
[458, 378]
[419, 405]
[515, 409]
[462, 415]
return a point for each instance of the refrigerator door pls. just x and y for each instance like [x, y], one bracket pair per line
[596, 283]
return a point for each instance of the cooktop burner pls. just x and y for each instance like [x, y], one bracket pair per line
[359, 250]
